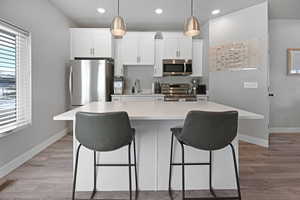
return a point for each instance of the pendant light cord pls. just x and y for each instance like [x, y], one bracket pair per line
[192, 5]
[118, 7]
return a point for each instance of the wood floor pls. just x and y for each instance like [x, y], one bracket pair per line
[266, 174]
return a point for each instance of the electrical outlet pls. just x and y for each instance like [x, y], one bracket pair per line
[250, 85]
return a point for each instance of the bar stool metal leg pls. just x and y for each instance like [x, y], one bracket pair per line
[210, 175]
[183, 175]
[171, 162]
[129, 167]
[236, 172]
[95, 177]
[75, 172]
[135, 167]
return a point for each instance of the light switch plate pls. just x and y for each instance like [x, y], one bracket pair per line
[251, 85]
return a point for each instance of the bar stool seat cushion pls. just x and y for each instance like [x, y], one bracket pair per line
[177, 131]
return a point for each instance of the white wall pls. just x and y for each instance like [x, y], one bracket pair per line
[227, 86]
[285, 109]
[50, 53]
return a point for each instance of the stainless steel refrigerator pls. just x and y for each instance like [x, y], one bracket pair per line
[90, 80]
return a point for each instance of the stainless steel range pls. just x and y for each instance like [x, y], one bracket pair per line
[177, 92]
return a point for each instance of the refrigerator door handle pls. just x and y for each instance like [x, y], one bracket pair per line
[71, 82]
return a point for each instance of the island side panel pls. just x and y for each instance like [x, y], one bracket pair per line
[153, 152]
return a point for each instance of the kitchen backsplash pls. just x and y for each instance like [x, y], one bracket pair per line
[145, 75]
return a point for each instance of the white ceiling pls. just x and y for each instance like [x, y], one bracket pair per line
[139, 14]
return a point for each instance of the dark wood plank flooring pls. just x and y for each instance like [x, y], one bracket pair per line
[266, 174]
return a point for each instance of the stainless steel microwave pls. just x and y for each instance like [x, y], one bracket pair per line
[173, 67]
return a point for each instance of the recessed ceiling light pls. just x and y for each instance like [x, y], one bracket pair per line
[158, 11]
[101, 10]
[215, 12]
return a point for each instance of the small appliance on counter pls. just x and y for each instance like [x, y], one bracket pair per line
[198, 88]
[118, 85]
[201, 89]
[156, 88]
[137, 86]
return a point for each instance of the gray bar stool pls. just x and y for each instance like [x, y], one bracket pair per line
[207, 131]
[103, 132]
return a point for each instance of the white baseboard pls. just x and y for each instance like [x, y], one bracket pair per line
[284, 130]
[17, 162]
[254, 140]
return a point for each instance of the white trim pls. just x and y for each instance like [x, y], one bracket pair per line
[285, 130]
[254, 140]
[17, 162]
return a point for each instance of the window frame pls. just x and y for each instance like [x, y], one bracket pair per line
[17, 31]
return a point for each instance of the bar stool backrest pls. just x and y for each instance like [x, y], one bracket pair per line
[209, 130]
[103, 131]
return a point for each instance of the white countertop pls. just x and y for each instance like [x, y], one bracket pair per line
[155, 110]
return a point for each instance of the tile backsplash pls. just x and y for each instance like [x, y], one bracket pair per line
[145, 75]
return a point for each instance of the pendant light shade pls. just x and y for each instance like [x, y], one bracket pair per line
[118, 26]
[192, 25]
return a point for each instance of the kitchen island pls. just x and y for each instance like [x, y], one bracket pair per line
[152, 121]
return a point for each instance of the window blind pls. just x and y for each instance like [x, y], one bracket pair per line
[15, 78]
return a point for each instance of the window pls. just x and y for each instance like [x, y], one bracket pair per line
[15, 77]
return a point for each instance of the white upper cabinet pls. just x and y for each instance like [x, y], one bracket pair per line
[138, 48]
[171, 48]
[91, 42]
[197, 57]
[177, 46]
[185, 48]
[158, 66]
[119, 69]
[103, 46]
[146, 48]
[81, 43]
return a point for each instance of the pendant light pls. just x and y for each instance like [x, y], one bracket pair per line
[192, 25]
[118, 26]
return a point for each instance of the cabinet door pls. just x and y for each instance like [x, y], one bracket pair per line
[158, 66]
[171, 48]
[185, 48]
[118, 58]
[197, 57]
[81, 43]
[146, 49]
[130, 49]
[102, 43]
